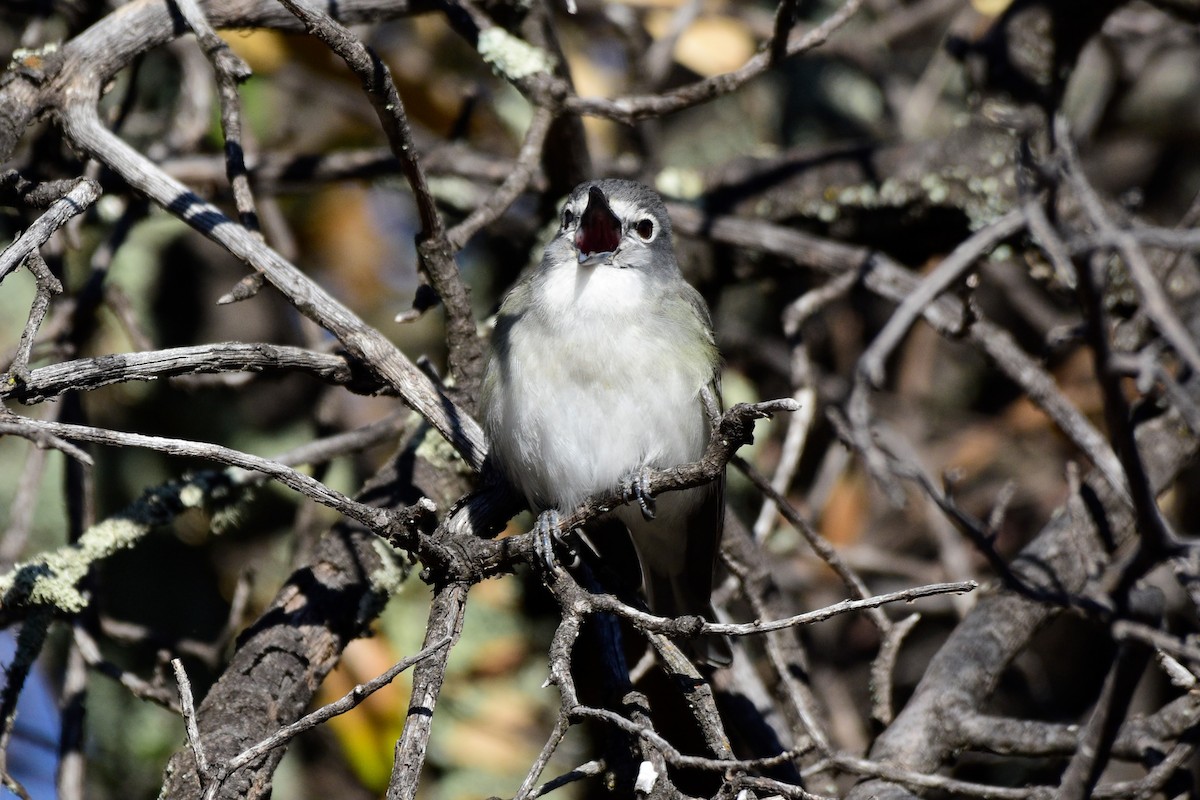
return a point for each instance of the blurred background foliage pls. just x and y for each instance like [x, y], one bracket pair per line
[884, 82]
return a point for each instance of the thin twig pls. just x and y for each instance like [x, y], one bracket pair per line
[845, 606]
[798, 427]
[1091, 756]
[823, 549]
[375, 519]
[588, 770]
[657, 60]
[786, 657]
[323, 714]
[188, 708]
[1156, 539]
[72, 763]
[47, 287]
[327, 448]
[516, 182]
[73, 203]
[231, 70]
[697, 693]
[870, 370]
[89, 649]
[11, 425]
[695, 625]
[529, 788]
[883, 667]
[1154, 299]
[949, 271]
[446, 614]
[629, 109]
[465, 348]
[1129, 630]
[369, 346]
[85, 374]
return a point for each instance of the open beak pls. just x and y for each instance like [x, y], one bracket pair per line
[599, 230]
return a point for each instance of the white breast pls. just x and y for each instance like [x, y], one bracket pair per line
[598, 388]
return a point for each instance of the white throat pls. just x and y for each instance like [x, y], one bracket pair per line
[569, 292]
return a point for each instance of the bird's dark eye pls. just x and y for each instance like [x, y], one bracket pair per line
[568, 217]
[645, 229]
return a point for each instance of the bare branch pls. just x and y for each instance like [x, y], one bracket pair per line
[84, 374]
[375, 519]
[632, 108]
[70, 205]
[695, 625]
[188, 709]
[323, 714]
[230, 70]
[365, 343]
[951, 270]
[517, 182]
[436, 253]
[446, 614]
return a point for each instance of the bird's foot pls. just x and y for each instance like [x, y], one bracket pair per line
[550, 542]
[636, 488]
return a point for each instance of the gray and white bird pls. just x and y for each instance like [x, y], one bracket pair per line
[600, 360]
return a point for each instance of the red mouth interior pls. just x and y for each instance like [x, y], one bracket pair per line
[599, 228]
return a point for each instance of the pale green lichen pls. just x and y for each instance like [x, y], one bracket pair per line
[224, 518]
[47, 48]
[456, 192]
[22, 55]
[51, 579]
[191, 495]
[512, 57]
[440, 453]
[935, 188]
[390, 576]
[981, 199]
[685, 184]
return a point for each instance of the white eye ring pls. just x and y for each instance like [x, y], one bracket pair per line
[646, 229]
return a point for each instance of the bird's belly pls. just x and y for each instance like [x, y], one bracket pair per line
[588, 421]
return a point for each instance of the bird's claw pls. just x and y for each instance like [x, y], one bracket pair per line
[636, 488]
[547, 534]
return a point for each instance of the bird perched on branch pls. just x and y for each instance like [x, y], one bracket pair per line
[601, 360]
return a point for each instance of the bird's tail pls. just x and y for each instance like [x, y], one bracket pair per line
[674, 594]
[677, 551]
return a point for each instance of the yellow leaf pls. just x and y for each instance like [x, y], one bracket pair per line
[845, 519]
[345, 240]
[591, 80]
[498, 736]
[651, 3]
[709, 46]
[368, 732]
[991, 8]
[265, 51]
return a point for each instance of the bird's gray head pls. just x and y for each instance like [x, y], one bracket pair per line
[615, 223]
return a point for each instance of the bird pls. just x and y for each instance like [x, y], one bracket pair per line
[601, 362]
